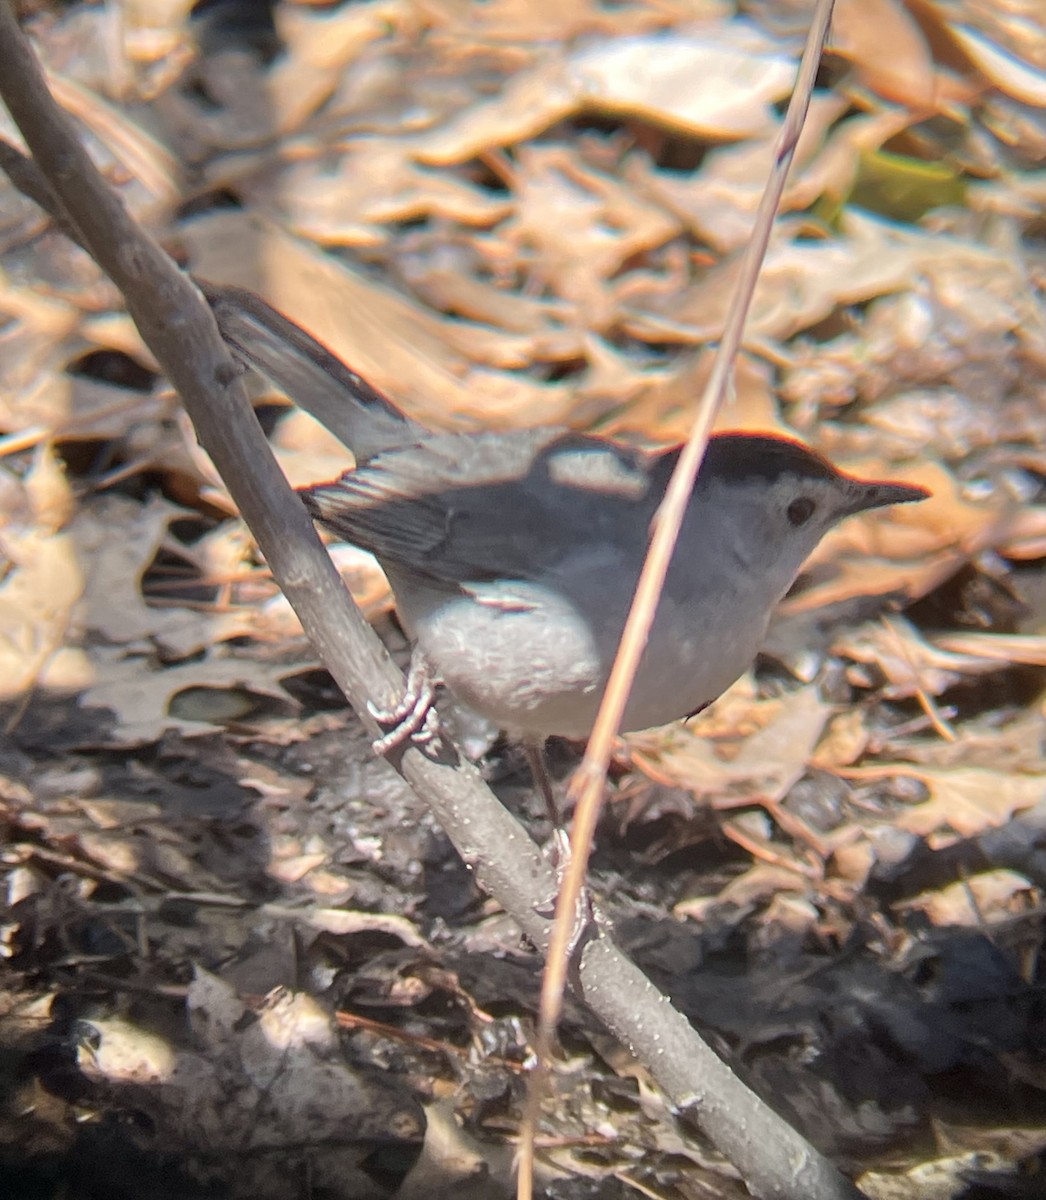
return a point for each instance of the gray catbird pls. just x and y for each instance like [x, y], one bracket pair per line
[513, 556]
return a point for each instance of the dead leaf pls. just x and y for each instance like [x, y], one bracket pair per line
[908, 662]
[888, 50]
[140, 697]
[988, 898]
[1023, 80]
[963, 800]
[38, 599]
[765, 767]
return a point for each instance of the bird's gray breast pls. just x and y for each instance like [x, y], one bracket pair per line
[534, 657]
[522, 654]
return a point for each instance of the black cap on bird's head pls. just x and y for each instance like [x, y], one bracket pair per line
[760, 458]
[739, 457]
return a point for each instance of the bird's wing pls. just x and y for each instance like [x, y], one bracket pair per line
[469, 508]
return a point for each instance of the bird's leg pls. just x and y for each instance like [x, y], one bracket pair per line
[413, 717]
[559, 844]
[535, 754]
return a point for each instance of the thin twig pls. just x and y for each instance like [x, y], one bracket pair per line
[589, 782]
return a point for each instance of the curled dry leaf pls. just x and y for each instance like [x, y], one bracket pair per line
[118, 1051]
[141, 700]
[993, 648]
[1021, 78]
[713, 84]
[38, 600]
[888, 50]
[987, 898]
[964, 801]
[907, 662]
[763, 768]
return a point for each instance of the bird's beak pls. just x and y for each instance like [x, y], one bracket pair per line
[866, 496]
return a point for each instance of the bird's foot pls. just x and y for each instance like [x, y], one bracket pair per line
[561, 856]
[413, 718]
[558, 851]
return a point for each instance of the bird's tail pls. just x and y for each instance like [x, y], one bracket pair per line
[358, 415]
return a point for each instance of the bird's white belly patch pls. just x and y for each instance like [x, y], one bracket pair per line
[527, 663]
[521, 656]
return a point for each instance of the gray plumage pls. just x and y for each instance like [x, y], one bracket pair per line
[513, 556]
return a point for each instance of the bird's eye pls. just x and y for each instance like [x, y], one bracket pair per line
[800, 511]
